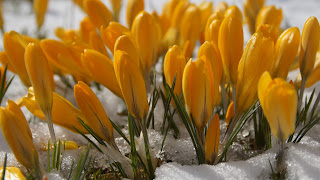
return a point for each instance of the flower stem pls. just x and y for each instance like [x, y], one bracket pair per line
[48, 117]
[303, 84]
[224, 98]
[280, 157]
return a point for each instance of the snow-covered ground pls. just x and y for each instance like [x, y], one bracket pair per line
[303, 159]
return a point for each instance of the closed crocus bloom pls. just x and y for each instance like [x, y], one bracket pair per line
[125, 43]
[213, 26]
[132, 85]
[234, 11]
[98, 13]
[258, 57]
[94, 113]
[279, 101]
[133, 9]
[63, 112]
[4, 61]
[14, 46]
[41, 79]
[286, 49]
[112, 32]
[205, 10]
[116, 5]
[211, 52]
[144, 31]
[221, 7]
[212, 140]
[159, 34]
[173, 66]
[97, 44]
[198, 93]
[17, 133]
[190, 26]
[269, 15]
[309, 46]
[231, 46]
[167, 12]
[100, 68]
[40, 9]
[86, 27]
[251, 10]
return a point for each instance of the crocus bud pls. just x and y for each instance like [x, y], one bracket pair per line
[101, 70]
[94, 113]
[212, 140]
[86, 27]
[133, 8]
[14, 46]
[213, 26]
[17, 133]
[286, 49]
[211, 52]
[197, 86]
[97, 44]
[173, 66]
[144, 31]
[269, 15]
[231, 46]
[40, 9]
[309, 46]
[251, 10]
[126, 44]
[116, 5]
[63, 112]
[234, 11]
[279, 101]
[132, 85]
[98, 13]
[112, 32]
[221, 7]
[205, 10]
[257, 58]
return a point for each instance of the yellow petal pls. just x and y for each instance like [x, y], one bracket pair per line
[112, 33]
[14, 46]
[231, 46]
[269, 15]
[17, 134]
[133, 8]
[93, 111]
[86, 27]
[96, 43]
[205, 8]
[230, 112]
[66, 35]
[98, 13]
[40, 76]
[235, 12]
[132, 85]
[40, 9]
[173, 66]
[12, 173]
[286, 49]
[314, 76]
[212, 140]
[101, 70]
[4, 61]
[116, 5]
[63, 112]
[309, 46]
[257, 58]
[251, 10]
[212, 27]
[263, 84]
[125, 43]
[221, 7]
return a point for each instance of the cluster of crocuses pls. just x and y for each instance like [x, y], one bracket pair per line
[260, 71]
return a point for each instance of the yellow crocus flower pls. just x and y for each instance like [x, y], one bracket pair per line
[231, 46]
[258, 57]
[309, 46]
[132, 85]
[126, 44]
[167, 13]
[211, 52]
[86, 27]
[173, 66]
[212, 140]
[279, 101]
[63, 112]
[144, 31]
[112, 33]
[269, 15]
[221, 7]
[17, 133]
[97, 44]
[100, 68]
[98, 13]
[286, 50]
[213, 26]
[42, 82]
[234, 11]
[93, 111]
[205, 10]
[40, 9]
[197, 86]
[251, 10]
[12, 173]
[133, 9]
[4, 61]
[116, 5]
[14, 46]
